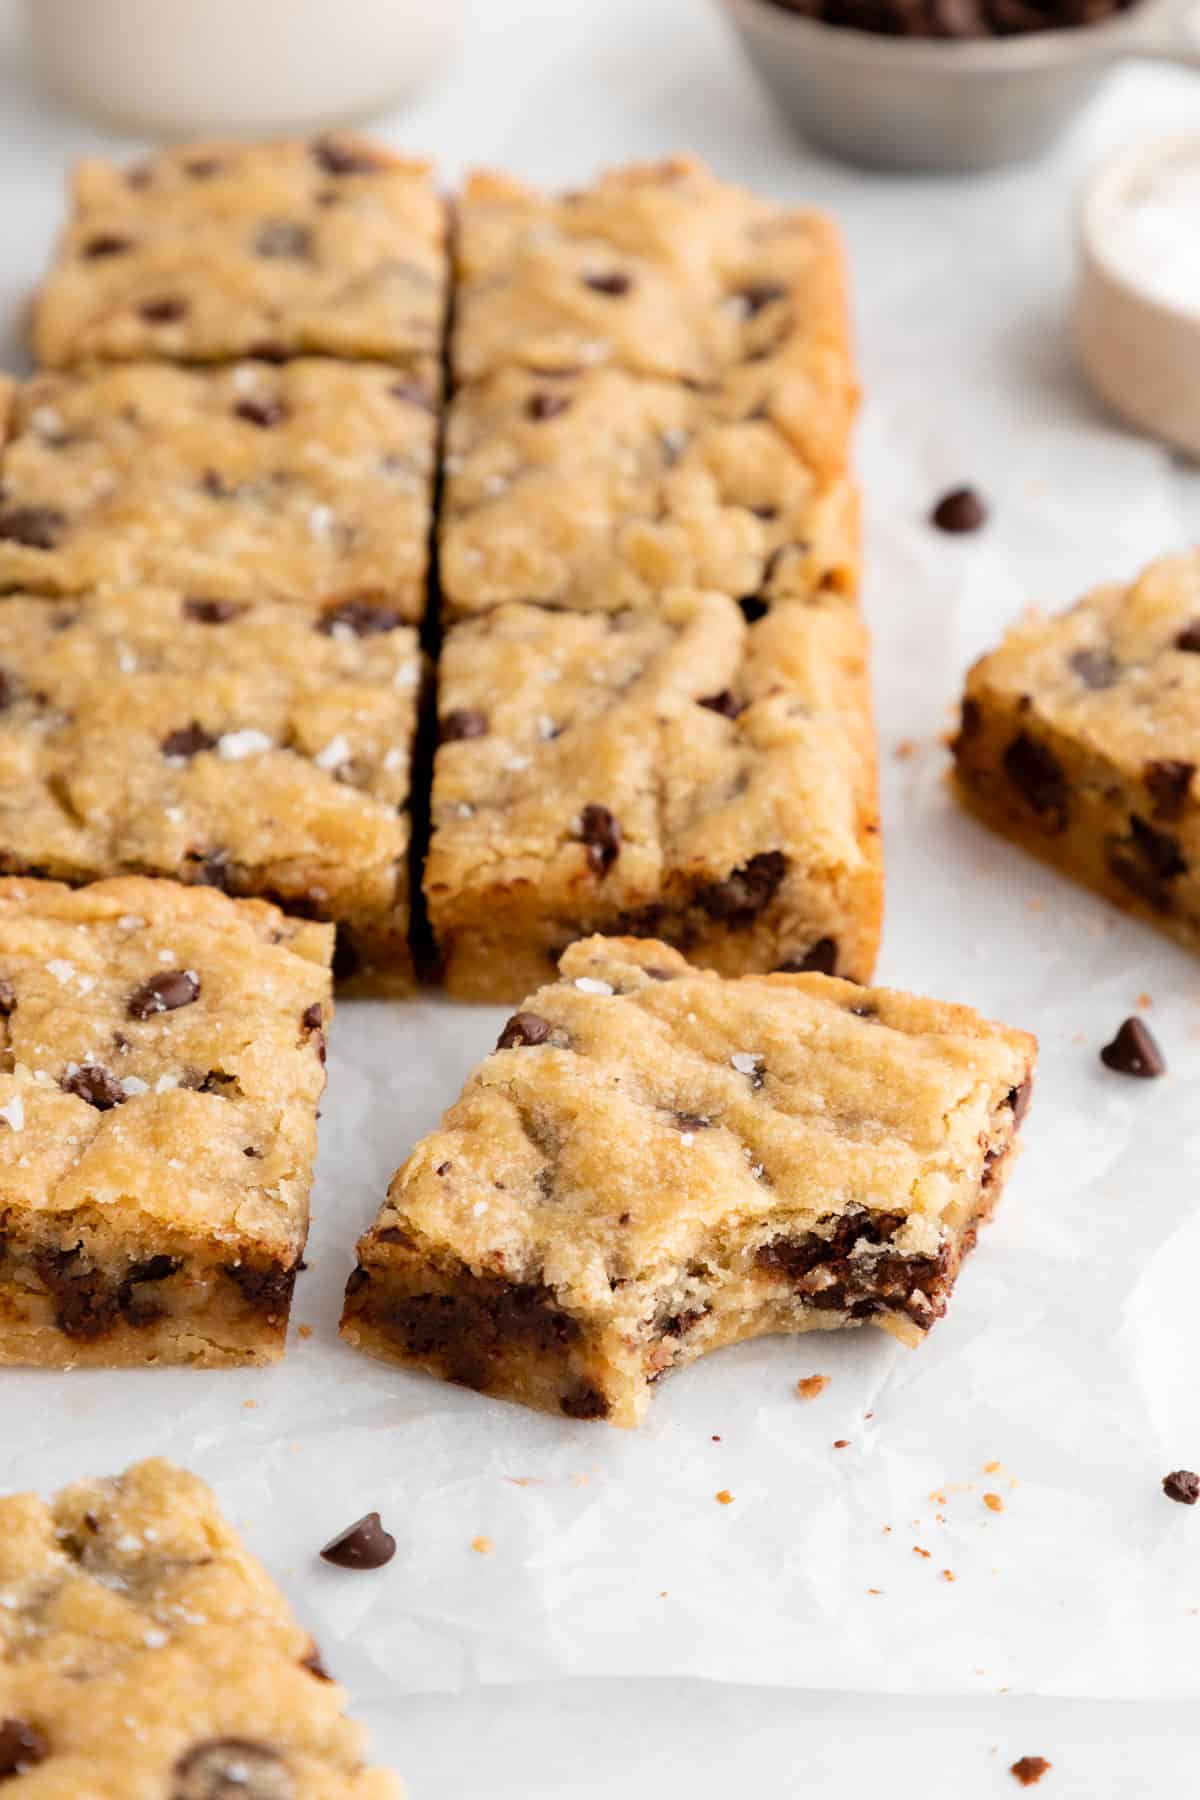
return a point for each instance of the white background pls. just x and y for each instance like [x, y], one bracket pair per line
[1072, 1629]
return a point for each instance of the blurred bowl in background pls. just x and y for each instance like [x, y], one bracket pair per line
[946, 104]
[179, 68]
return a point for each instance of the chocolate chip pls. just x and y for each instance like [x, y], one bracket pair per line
[819, 959]
[8, 998]
[413, 392]
[165, 992]
[21, 1746]
[338, 157]
[141, 1312]
[1167, 783]
[1038, 775]
[8, 690]
[1182, 1485]
[166, 311]
[1158, 849]
[263, 413]
[85, 1305]
[283, 238]
[37, 527]
[93, 1083]
[312, 1016]
[1134, 1052]
[746, 892]
[543, 405]
[231, 1769]
[363, 1545]
[1189, 637]
[959, 510]
[611, 282]
[203, 168]
[358, 618]
[1096, 668]
[188, 740]
[212, 612]
[754, 608]
[106, 244]
[346, 959]
[723, 703]
[1019, 1098]
[313, 1661]
[585, 1402]
[267, 1290]
[463, 722]
[522, 1029]
[760, 294]
[691, 1122]
[971, 721]
[601, 832]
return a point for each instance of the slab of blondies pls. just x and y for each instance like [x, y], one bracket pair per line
[213, 251]
[310, 480]
[161, 1059]
[144, 1651]
[656, 1162]
[675, 773]
[257, 746]
[1080, 740]
[654, 386]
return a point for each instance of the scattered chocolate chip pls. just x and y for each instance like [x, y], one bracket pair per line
[959, 510]
[359, 618]
[1030, 1769]
[1189, 637]
[106, 244]
[37, 527]
[166, 311]
[1182, 1485]
[601, 832]
[746, 892]
[188, 741]
[363, 1545]
[313, 1661]
[211, 612]
[1158, 849]
[21, 1746]
[1167, 783]
[544, 405]
[585, 1402]
[263, 413]
[165, 992]
[1096, 668]
[463, 722]
[137, 1310]
[1037, 774]
[754, 608]
[1134, 1052]
[93, 1083]
[312, 1016]
[337, 157]
[611, 282]
[85, 1305]
[760, 294]
[267, 1290]
[231, 1769]
[522, 1029]
[723, 703]
[283, 238]
[1019, 1099]
[8, 998]
[819, 959]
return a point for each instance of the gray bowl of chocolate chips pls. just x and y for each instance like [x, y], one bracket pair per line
[948, 84]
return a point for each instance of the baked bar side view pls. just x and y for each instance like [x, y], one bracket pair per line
[211, 251]
[143, 1649]
[676, 774]
[253, 745]
[656, 1162]
[1080, 741]
[161, 1058]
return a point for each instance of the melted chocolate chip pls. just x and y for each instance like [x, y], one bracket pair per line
[283, 238]
[1134, 1051]
[8, 690]
[85, 1306]
[1189, 637]
[754, 608]
[346, 959]
[37, 527]
[212, 612]
[231, 1769]
[363, 1545]
[165, 992]
[544, 405]
[203, 168]
[188, 741]
[21, 1747]
[8, 998]
[959, 510]
[1167, 783]
[413, 392]
[691, 1122]
[263, 413]
[312, 1016]
[819, 959]
[267, 1291]
[1182, 1485]
[1158, 850]
[1019, 1099]
[723, 703]
[760, 294]
[93, 1083]
[522, 1029]
[1037, 774]
[358, 617]
[167, 311]
[611, 282]
[338, 157]
[601, 832]
[971, 721]
[463, 722]
[746, 892]
[313, 1661]
[106, 244]
[585, 1402]
[1096, 668]
[138, 1311]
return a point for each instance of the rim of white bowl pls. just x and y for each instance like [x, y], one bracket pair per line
[1102, 192]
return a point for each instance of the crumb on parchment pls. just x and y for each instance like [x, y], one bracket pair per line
[483, 1545]
[1030, 1769]
[723, 1497]
[809, 1386]
[993, 1502]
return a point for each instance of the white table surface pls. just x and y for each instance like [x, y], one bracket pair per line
[551, 89]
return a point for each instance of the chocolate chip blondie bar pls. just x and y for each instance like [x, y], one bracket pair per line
[213, 251]
[655, 1162]
[144, 1651]
[311, 480]
[161, 1059]
[654, 386]
[257, 746]
[1080, 740]
[676, 773]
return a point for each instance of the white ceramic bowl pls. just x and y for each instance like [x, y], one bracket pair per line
[1139, 349]
[921, 103]
[178, 68]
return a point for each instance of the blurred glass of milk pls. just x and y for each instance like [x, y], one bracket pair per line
[186, 67]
